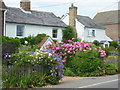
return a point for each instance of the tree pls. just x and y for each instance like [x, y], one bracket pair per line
[68, 33]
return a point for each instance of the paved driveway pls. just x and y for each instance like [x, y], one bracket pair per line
[90, 82]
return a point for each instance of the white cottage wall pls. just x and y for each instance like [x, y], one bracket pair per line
[80, 30]
[99, 35]
[32, 30]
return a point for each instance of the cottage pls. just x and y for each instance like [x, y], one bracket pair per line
[85, 28]
[22, 22]
[110, 21]
[2, 16]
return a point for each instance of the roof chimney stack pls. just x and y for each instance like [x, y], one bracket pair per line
[72, 16]
[25, 4]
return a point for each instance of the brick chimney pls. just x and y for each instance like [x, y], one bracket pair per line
[25, 4]
[72, 17]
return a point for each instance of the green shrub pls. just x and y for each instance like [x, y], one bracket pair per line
[68, 72]
[97, 43]
[113, 43]
[32, 40]
[110, 69]
[68, 33]
[86, 62]
[9, 45]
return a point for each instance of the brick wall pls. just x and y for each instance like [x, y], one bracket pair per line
[112, 31]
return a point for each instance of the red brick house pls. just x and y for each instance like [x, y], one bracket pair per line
[110, 21]
[2, 13]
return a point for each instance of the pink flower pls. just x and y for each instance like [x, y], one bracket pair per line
[57, 42]
[47, 47]
[64, 61]
[70, 56]
[69, 52]
[57, 48]
[73, 38]
[70, 49]
[69, 40]
[105, 61]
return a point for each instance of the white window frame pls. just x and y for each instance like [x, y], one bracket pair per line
[55, 33]
[18, 31]
[91, 33]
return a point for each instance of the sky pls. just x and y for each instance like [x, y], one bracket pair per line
[61, 7]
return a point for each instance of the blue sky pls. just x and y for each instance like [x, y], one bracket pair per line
[60, 7]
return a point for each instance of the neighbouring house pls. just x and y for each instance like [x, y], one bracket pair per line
[2, 17]
[111, 22]
[85, 27]
[44, 42]
[22, 22]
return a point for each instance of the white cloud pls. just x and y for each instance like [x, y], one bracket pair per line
[59, 7]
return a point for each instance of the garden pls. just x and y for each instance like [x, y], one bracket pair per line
[26, 66]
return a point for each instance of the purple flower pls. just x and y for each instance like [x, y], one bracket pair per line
[52, 74]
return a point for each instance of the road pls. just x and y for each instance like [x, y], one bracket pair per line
[90, 82]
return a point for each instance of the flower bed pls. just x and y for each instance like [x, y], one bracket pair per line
[52, 73]
[80, 58]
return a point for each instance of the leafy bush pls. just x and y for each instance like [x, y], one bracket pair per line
[52, 63]
[70, 48]
[33, 40]
[68, 33]
[96, 42]
[68, 72]
[86, 62]
[113, 43]
[110, 69]
[9, 45]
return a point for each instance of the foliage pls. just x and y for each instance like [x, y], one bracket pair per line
[118, 48]
[86, 62]
[70, 48]
[52, 63]
[113, 43]
[68, 72]
[28, 48]
[110, 69]
[32, 40]
[9, 45]
[12, 80]
[68, 33]
[96, 42]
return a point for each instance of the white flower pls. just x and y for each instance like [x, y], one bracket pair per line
[26, 42]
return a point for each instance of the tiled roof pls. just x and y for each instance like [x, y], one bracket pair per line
[88, 22]
[17, 15]
[108, 17]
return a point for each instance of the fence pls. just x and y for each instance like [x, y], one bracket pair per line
[114, 52]
[19, 72]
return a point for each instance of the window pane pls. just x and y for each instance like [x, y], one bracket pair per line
[93, 32]
[54, 33]
[20, 29]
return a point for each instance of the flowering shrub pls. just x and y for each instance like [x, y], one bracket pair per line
[68, 49]
[52, 64]
[81, 59]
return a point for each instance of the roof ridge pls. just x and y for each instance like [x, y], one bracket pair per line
[41, 11]
[108, 11]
